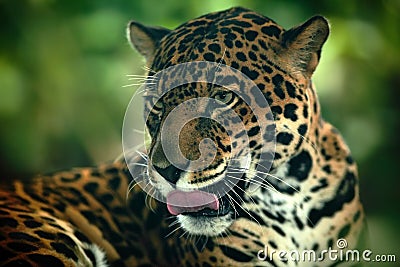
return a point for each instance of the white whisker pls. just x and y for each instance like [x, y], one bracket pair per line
[270, 186]
[241, 189]
[132, 84]
[175, 230]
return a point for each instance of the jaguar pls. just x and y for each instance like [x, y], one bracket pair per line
[296, 187]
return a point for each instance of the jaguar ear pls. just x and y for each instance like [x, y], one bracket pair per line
[303, 44]
[145, 39]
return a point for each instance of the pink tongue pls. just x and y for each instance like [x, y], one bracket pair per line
[179, 201]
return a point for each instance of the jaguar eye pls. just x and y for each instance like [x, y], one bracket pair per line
[224, 96]
[158, 106]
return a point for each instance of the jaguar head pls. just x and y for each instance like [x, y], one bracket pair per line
[226, 102]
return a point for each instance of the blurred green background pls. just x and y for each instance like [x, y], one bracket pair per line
[63, 65]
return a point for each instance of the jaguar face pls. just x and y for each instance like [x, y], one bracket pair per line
[218, 133]
[211, 150]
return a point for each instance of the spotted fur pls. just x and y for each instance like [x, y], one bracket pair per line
[308, 200]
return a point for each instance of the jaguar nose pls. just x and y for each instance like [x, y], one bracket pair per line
[170, 173]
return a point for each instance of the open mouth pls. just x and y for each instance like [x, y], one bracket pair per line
[197, 203]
